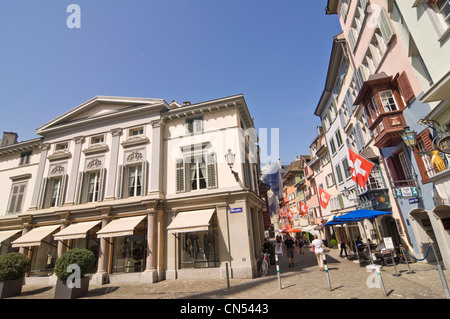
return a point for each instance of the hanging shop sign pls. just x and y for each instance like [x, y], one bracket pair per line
[406, 191]
[444, 144]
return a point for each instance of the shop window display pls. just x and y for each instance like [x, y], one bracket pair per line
[200, 249]
[44, 257]
[130, 253]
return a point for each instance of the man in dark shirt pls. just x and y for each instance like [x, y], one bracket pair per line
[290, 250]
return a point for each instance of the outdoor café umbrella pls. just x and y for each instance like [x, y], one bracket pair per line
[358, 215]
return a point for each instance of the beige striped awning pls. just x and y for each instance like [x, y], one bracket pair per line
[120, 227]
[34, 236]
[191, 221]
[76, 231]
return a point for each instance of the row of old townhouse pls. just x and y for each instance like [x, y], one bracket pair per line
[386, 97]
[156, 190]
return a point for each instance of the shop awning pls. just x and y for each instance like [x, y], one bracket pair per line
[120, 227]
[6, 234]
[356, 216]
[191, 221]
[76, 231]
[34, 236]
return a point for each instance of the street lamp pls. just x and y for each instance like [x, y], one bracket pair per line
[410, 138]
[229, 157]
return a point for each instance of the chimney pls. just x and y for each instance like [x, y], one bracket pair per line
[9, 138]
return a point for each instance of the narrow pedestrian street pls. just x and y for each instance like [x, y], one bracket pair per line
[303, 281]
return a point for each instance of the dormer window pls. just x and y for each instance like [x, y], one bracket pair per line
[194, 126]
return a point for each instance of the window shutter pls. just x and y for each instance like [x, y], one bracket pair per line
[351, 39]
[62, 196]
[180, 176]
[427, 139]
[324, 125]
[385, 27]
[405, 88]
[392, 170]
[80, 184]
[101, 184]
[212, 171]
[120, 181]
[12, 203]
[144, 178]
[341, 201]
[363, 4]
[43, 193]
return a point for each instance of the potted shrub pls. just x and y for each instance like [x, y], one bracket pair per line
[71, 269]
[13, 268]
[333, 243]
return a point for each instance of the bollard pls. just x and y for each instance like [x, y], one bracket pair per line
[406, 260]
[395, 265]
[378, 269]
[325, 266]
[228, 276]
[441, 274]
[278, 271]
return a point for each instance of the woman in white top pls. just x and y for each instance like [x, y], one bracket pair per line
[317, 245]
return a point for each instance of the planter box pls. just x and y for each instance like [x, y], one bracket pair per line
[11, 288]
[64, 292]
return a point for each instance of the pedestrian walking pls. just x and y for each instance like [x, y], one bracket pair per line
[290, 250]
[317, 246]
[343, 247]
[301, 245]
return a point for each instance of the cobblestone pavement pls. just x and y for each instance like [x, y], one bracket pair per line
[303, 281]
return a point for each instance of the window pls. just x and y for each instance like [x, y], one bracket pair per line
[16, 198]
[62, 147]
[25, 158]
[338, 138]
[134, 185]
[196, 173]
[443, 8]
[332, 146]
[93, 187]
[346, 168]
[97, 139]
[388, 101]
[136, 131]
[339, 173]
[132, 180]
[55, 192]
[194, 126]
[329, 180]
[200, 249]
[405, 165]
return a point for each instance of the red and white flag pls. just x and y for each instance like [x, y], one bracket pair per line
[360, 169]
[324, 198]
[290, 214]
[302, 208]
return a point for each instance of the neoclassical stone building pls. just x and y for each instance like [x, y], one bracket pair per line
[143, 184]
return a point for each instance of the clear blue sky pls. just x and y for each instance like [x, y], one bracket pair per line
[275, 53]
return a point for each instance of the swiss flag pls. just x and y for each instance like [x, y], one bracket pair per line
[302, 208]
[324, 198]
[290, 214]
[360, 169]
